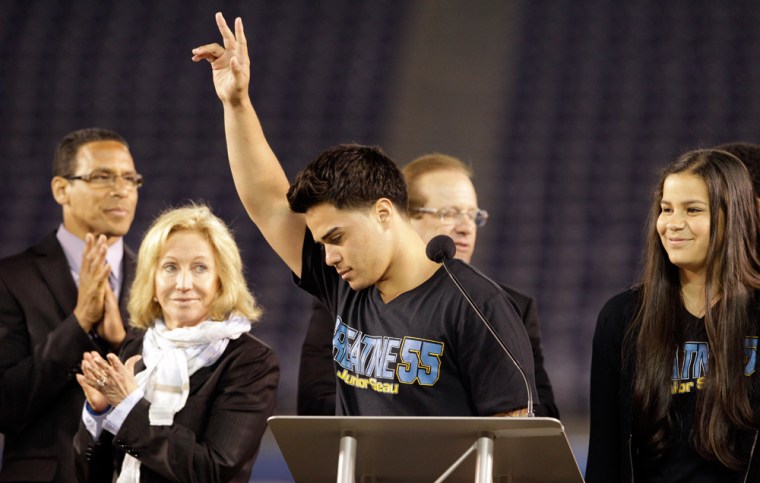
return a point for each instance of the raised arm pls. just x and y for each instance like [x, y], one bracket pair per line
[259, 178]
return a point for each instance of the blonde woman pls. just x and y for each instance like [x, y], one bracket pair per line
[191, 400]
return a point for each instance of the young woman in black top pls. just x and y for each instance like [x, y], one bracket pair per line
[674, 359]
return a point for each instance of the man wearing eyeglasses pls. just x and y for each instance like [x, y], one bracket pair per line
[52, 299]
[442, 201]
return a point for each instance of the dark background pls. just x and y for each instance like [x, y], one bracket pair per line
[565, 109]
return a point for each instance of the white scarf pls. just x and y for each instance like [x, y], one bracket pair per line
[171, 357]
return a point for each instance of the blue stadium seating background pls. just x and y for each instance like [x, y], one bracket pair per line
[602, 94]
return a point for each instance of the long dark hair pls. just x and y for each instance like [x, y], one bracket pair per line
[732, 274]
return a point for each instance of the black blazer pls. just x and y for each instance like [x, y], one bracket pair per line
[41, 347]
[214, 438]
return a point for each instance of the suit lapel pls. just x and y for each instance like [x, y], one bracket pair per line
[201, 376]
[52, 265]
[128, 270]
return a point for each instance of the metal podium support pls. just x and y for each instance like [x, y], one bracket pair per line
[484, 460]
[347, 459]
[483, 465]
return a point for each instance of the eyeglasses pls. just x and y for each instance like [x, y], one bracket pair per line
[450, 216]
[104, 179]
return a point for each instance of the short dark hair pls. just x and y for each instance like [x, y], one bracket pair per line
[66, 153]
[348, 176]
[749, 154]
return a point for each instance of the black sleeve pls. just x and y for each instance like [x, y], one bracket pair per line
[316, 277]
[234, 425]
[316, 375]
[33, 376]
[94, 459]
[605, 438]
[546, 407]
[476, 344]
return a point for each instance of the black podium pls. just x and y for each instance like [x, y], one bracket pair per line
[428, 449]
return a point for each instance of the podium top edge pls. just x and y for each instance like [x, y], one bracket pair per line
[408, 418]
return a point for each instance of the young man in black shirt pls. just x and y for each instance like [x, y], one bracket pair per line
[407, 342]
[442, 201]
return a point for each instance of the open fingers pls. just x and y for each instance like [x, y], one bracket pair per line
[242, 43]
[227, 36]
[209, 52]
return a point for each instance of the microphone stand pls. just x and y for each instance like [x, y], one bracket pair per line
[490, 328]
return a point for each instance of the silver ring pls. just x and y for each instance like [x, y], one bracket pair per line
[102, 381]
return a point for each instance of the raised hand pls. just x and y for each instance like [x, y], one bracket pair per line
[112, 327]
[93, 279]
[230, 64]
[260, 181]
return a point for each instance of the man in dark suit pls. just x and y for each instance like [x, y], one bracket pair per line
[51, 304]
[442, 201]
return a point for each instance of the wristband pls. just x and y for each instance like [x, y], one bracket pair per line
[95, 413]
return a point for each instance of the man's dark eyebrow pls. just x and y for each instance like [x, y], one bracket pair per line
[329, 232]
[111, 171]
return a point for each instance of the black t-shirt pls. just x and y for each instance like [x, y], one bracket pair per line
[691, 365]
[425, 353]
[609, 454]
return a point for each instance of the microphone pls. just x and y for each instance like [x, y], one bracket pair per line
[440, 249]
